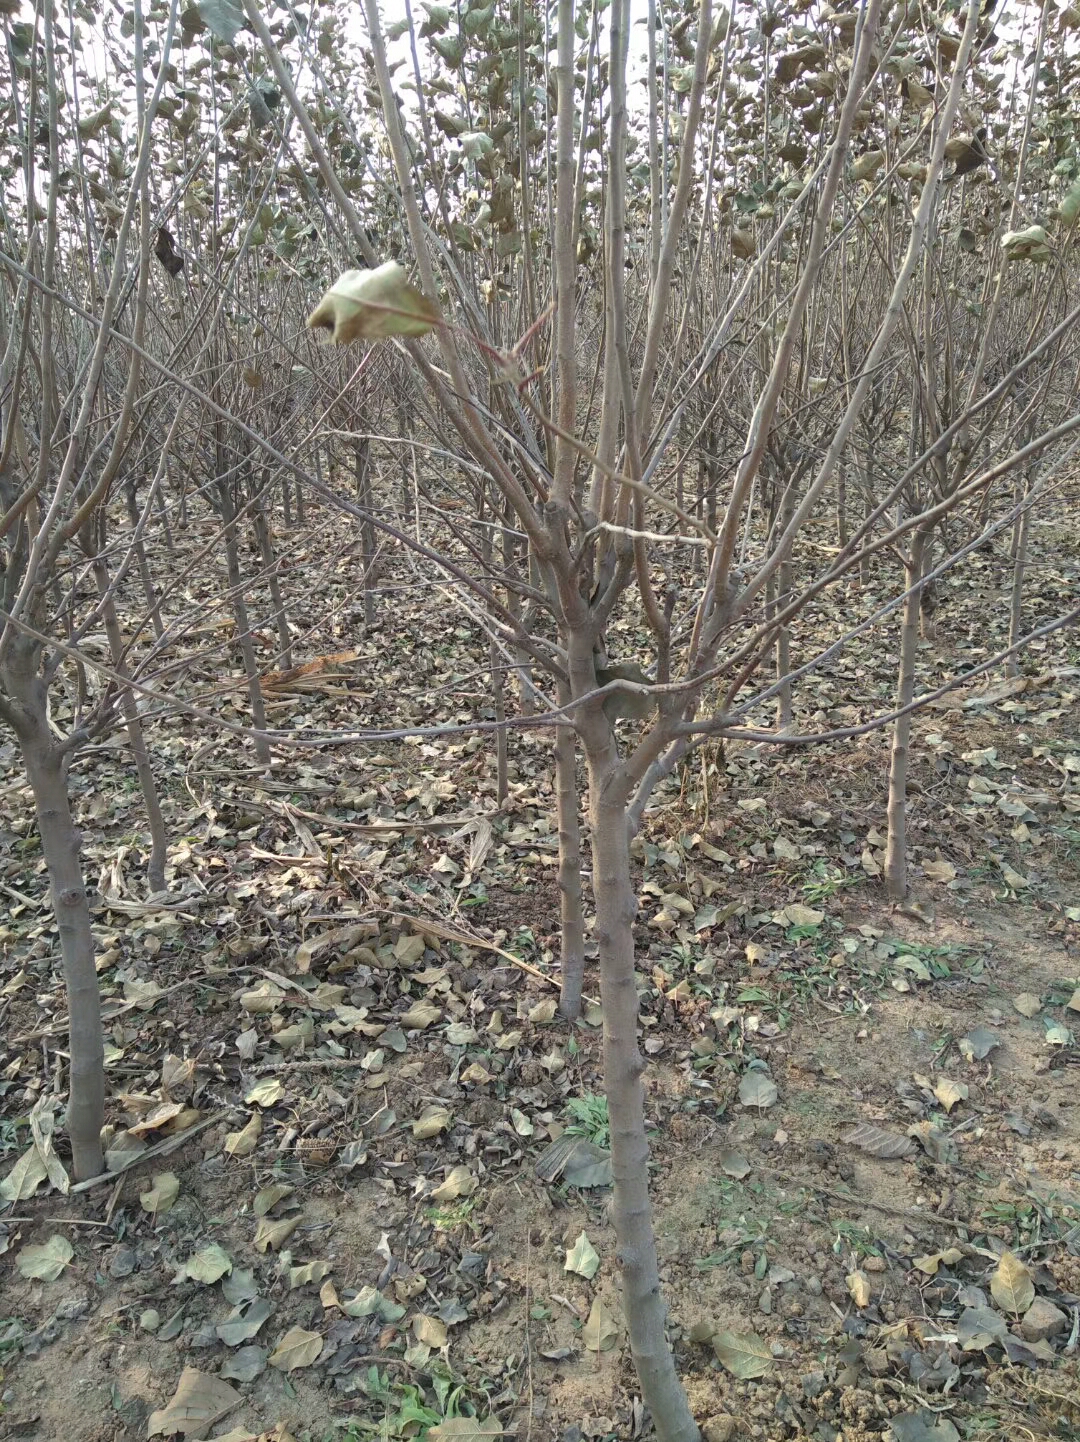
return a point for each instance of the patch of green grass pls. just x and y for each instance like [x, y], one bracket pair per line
[590, 1118]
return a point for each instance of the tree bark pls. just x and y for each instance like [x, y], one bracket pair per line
[47, 775]
[571, 921]
[155, 867]
[643, 1305]
[896, 882]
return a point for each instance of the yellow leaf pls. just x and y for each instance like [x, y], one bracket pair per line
[858, 1285]
[1011, 1286]
[242, 1144]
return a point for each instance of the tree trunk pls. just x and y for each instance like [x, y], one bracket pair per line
[47, 774]
[498, 701]
[153, 605]
[896, 846]
[155, 867]
[643, 1305]
[1016, 595]
[571, 920]
[361, 461]
[270, 566]
[243, 625]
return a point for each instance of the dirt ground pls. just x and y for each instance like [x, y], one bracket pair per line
[761, 1215]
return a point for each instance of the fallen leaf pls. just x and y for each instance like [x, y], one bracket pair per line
[272, 1233]
[243, 1143]
[47, 1260]
[431, 1331]
[949, 1093]
[266, 1092]
[1011, 1286]
[601, 1331]
[459, 1182]
[756, 1089]
[978, 1043]
[296, 1349]
[163, 1192]
[798, 915]
[208, 1265]
[464, 1429]
[434, 1119]
[744, 1354]
[422, 1014]
[886, 1146]
[583, 1258]
[25, 1177]
[939, 870]
[1026, 1003]
[198, 1402]
[307, 1274]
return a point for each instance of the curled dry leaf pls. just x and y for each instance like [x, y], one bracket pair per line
[372, 305]
[858, 1285]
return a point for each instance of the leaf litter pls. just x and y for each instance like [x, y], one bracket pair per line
[392, 1177]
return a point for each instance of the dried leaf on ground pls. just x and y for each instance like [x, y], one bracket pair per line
[744, 1354]
[1011, 1286]
[298, 1348]
[199, 1401]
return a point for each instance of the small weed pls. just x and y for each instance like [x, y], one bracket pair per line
[590, 1114]
[11, 1336]
[9, 1134]
[858, 1241]
[408, 1410]
[826, 881]
[449, 1219]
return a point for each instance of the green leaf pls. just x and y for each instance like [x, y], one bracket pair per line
[224, 18]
